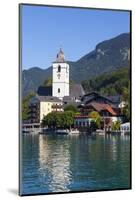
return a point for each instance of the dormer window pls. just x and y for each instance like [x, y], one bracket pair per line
[59, 68]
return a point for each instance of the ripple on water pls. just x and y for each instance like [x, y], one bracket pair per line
[63, 163]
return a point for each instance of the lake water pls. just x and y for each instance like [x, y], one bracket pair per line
[74, 163]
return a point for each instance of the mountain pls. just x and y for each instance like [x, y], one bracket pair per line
[33, 78]
[108, 56]
[107, 84]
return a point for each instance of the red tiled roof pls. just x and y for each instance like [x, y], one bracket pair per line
[101, 106]
[110, 109]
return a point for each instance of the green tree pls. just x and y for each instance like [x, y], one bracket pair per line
[78, 113]
[48, 82]
[93, 126]
[108, 83]
[59, 119]
[96, 116]
[69, 118]
[25, 106]
[126, 99]
[116, 125]
[50, 120]
[71, 108]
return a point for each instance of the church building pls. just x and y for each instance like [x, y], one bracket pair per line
[60, 83]
[61, 87]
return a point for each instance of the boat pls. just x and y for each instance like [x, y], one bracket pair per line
[74, 131]
[62, 131]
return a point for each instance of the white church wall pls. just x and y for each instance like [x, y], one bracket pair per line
[60, 80]
[60, 90]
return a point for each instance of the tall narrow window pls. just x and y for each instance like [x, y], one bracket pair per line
[59, 68]
[58, 90]
[67, 69]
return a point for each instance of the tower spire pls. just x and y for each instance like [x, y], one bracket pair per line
[60, 56]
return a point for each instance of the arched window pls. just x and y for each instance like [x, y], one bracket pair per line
[59, 68]
[58, 90]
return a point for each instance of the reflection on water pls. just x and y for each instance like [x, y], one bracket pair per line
[75, 163]
[57, 167]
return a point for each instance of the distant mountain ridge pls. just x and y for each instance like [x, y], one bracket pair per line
[108, 55]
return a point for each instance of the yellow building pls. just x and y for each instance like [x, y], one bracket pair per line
[40, 106]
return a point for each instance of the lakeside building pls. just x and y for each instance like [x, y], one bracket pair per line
[102, 108]
[125, 127]
[108, 110]
[40, 106]
[82, 121]
[96, 97]
[103, 105]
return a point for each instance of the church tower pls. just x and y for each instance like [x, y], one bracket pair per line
[60, 76]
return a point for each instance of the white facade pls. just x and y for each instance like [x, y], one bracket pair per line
[125, 127]
[60, 76]
[115, 119]
[82, 121]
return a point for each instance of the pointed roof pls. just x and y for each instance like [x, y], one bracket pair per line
[102, 106]
[60, 56]
[76, 90]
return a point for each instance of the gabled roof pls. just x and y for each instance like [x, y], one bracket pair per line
[100, 107]
[93, 96]
[76, 90]
[68, 99]
[44, 99]
[91, 93]
[49, 98]
[115, 99]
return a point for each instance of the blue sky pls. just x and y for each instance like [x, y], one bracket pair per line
[78, 31]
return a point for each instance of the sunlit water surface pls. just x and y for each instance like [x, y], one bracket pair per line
[74, 163]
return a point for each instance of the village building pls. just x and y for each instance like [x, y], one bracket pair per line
[107, 109]
[96, 102]
[96, 97]
[40, 106]
[125, 127]
[82, 121]
[102, 108]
